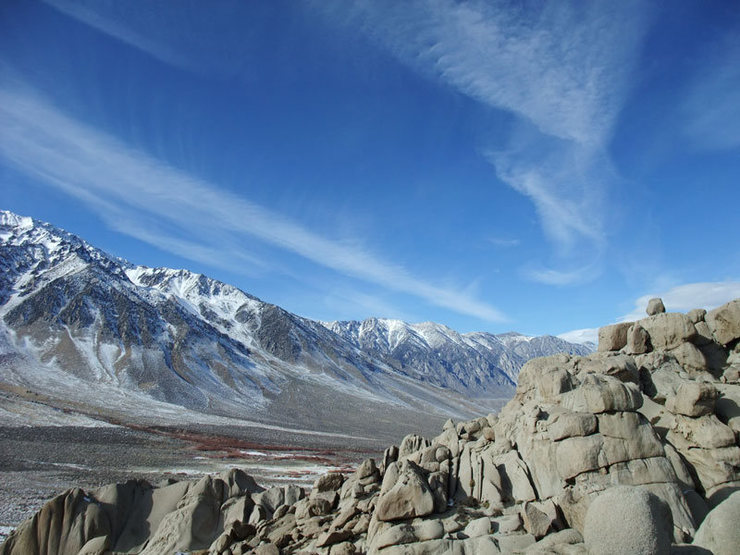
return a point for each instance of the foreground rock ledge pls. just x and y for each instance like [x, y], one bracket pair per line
[634, 448]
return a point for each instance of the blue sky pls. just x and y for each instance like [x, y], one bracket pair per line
[530, 165]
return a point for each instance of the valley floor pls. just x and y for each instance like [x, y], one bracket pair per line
[39, 462]
[52, 442]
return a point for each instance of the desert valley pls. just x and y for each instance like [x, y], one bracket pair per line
[368, 277]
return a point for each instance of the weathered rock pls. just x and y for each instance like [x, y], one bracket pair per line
[391, 455]
[366, 469]
[668, 330]
[576, 455]
[507, 524]
[685, 480]
[514, 543]
[714, 468]
[557, 542]
[64, 525]
[484, 545]
[566, 424]
[693, 399]
[411, 444]
[703, 333]
[627, 436]
[281, 532]
[552, 382]
[314, 506]
[408, 497]
[267, 549]
[438, 484]
[666, 380]
[536, 522]
[655, 306]
[696, 315]
[599, 393]
[407, 533]
[720, 531]
[638, 340]
[331, 481]
[178, 516]
[724, 322]
[619, 366]
[257, 515]
[343, 548]
[96, 546]
[532, 369]
[333, 536]
[516, 483]
[362, 525]
[715, 355]
[626, 519]
[613, 337]
[690, 358]
[706, 432]
[270, 499]
[727, 406]
[478, 527]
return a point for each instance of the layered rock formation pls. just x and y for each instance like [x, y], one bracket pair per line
[632, 449]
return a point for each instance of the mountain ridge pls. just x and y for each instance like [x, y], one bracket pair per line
[78, 314]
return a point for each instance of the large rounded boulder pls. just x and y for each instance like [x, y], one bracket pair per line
[720, 531]
[626, 520]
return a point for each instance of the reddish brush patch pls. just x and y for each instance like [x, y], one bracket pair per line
[210, 442]
[233, 448]
[225, 447]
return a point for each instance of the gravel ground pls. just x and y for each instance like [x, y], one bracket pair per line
[37, 463]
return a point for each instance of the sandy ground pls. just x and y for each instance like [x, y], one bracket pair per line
[37, 463]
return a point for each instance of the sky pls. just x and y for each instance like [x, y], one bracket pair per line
[544, 167]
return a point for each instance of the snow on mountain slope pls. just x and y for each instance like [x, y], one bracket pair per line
[78, 324]
[472, 363]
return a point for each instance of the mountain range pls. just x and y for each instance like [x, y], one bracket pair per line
[90, 333]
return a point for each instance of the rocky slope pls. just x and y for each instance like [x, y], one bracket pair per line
[87, 332]
[632, 449]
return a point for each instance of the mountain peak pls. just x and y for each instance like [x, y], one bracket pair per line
[11, 219]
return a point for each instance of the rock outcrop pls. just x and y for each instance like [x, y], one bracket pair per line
[632, 449]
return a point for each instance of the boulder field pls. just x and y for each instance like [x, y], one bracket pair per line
[632, 449]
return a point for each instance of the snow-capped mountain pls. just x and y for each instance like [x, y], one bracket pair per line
[90, 332]
[471, 363]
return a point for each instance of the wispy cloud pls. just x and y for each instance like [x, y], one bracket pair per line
[710, 110]
[346, 303]
[550, 276]
[682, 298]
[504, 242]
[566, 185]
[126, 185]
[114, 19]
[562, 67]
[216, 41]
[553, 64]
[586, 335]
